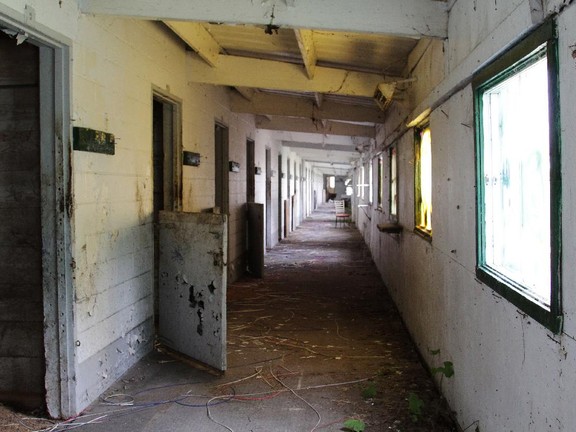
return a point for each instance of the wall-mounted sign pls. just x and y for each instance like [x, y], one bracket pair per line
[191, 159]
[234, 167]
[93, 141]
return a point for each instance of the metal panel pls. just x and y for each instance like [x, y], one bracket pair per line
[192, 301]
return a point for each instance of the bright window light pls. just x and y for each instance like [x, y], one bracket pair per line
[516, 177]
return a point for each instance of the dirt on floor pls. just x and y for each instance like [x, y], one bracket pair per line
[316, 345]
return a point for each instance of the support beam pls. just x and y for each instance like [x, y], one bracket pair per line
[246, 92]
[319, 146]
[268, 74]
[309, 126]
[307, 50]
[290, 106]
[198, 38]
[411, 18]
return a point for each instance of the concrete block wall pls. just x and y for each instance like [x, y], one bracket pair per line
[510, 372]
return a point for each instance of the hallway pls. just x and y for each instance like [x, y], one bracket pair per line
[315, 343]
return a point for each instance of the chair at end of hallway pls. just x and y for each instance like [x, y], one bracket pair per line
[341, 214]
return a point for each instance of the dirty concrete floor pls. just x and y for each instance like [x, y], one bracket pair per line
[314, 344]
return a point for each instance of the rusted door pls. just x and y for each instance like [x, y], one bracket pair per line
[192, 285]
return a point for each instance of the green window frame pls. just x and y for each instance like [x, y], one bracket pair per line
[423, 181]
[518, 177]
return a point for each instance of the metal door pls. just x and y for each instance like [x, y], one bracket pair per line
[192, 285]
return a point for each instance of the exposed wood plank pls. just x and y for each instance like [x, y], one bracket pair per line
[309, 126]
[18, 310]
[307, 50]
[413, 18]
[20, 291]
[20, 226]
[246, 92]
[22, 69]
[245, 72]
[319, 99]
[21, 339]
[279, 105]
[16, 188]
[26, 375]
[197, 38]
[21, 265]
[319, 146]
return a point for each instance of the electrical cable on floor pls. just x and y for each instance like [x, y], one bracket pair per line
[214, 420]
[301, 398]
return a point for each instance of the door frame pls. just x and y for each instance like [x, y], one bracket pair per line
[57, 209]
[176, 148]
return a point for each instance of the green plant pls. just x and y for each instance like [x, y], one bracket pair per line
[369, 392]
[355, 425]
[415, 405]
[447, 370]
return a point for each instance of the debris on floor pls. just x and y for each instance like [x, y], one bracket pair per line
[316, 345]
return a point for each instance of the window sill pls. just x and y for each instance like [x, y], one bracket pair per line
[390, 228]
[426, 235]
[550, 319]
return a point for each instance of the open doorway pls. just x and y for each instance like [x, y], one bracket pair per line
[268, 198]
[166, 172]
[36, 293]
[22, 357]
[221, 167]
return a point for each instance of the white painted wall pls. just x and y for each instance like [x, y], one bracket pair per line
[511, 373]
[115, 65]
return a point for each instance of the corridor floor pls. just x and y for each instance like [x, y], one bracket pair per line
[315, 344]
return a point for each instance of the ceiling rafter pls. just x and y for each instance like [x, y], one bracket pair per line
[199, 39]
[310, 126]
[305, 40]
[290, 106]
[268, 74]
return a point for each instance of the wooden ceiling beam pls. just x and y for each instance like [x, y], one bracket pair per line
[290, 106]
[307, 50]
[198, 38]
[309, 126]
[410, 18]
[238, 71]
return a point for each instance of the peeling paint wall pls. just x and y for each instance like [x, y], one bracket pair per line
[510, 372]
[117, 63]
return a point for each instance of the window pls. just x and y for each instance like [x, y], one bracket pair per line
[370, 184]
[518, 177]
[423, 181]
[332, 182]
[349, 189]
[360, 185]
[380, 191]
[393, 160]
